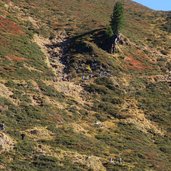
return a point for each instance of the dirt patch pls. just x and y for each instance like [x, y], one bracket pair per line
[95, 164]
[6, 143]
[125, 80]
[2, 166]
[41, 42]
[69, 89]
[15, 58]
[92, 162]
[4, 91]
[109, 124]
[9, 26]
[82, 128]
[33, 22]
[137, 117]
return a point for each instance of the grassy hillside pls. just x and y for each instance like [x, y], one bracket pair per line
[67, 104]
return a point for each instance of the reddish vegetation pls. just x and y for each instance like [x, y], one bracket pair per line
[15, 58]
[135, 64]
[9, 26]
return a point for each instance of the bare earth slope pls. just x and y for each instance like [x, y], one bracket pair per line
[67, 104]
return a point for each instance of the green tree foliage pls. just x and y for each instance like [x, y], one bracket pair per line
[109, 31]
[117, 19]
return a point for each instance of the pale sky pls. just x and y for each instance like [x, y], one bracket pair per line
[164, 5]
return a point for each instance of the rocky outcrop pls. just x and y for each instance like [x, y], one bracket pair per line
[57, 48]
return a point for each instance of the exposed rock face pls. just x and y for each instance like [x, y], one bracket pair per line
[55, 49]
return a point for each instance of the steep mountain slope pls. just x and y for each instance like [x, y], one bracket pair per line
[67, 104]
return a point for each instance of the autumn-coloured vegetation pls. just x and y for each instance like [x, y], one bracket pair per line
[10, 27]
[88, 109]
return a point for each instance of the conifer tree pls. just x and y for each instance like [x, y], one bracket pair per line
[117, 19]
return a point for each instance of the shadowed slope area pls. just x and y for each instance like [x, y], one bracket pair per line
[67, 104]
